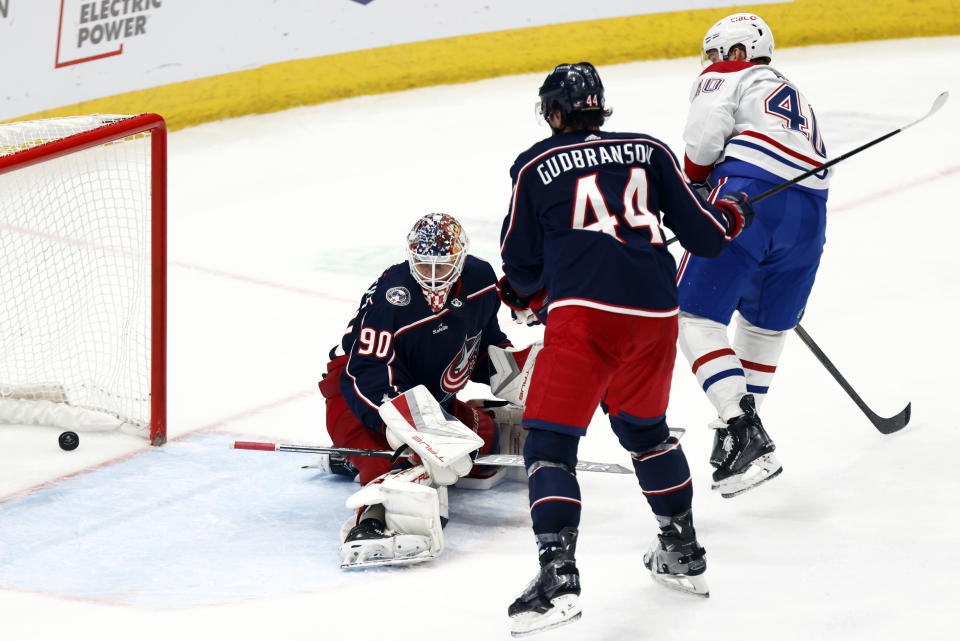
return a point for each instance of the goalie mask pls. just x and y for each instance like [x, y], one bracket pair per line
[436, 250]
[746, 29]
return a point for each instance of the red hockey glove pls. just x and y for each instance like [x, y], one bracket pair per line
[738, 212]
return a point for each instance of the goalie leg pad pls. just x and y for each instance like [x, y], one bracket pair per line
[510, 439]
[414, 512]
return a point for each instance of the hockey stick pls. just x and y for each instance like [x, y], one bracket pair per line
[505, 460]
[884, 425]
[937, 103]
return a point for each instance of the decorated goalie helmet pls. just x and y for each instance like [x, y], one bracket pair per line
[575, 87]
[745, 29]
[436, 250]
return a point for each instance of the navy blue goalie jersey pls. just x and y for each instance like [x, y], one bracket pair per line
[396, 342]
[585, 222]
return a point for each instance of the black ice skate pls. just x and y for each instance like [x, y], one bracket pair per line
[553, 597]
[675, 559]
[370, 543]
[743, 453]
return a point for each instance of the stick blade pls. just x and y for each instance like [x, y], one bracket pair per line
[894, 423]
[938, 102]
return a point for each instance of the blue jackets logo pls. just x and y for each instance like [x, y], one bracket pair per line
[399, 296]
[461, 367]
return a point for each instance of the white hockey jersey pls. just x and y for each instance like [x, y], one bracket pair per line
[747, 119]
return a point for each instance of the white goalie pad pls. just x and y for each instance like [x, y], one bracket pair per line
[442, 442]
[510, 441]
[412, 513]
[511, 372]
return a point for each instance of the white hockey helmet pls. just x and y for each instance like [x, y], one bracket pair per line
[747, 29]
[437, 248]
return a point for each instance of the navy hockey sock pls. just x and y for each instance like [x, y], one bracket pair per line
[553, 488]
[660, 465]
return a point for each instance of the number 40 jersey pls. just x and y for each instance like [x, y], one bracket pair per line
[747, 119]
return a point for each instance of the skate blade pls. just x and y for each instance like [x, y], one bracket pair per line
[566, 609]
[368, 554]
[763, 469]
[382, 562]
[695, 585]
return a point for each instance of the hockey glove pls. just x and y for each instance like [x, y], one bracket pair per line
[738, 211]
[526, 309]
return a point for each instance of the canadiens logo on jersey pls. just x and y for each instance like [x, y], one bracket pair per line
[399, 296]
[461, 367]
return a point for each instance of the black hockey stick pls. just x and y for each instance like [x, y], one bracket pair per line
[884, 425]
[937, 103]
[505, 460]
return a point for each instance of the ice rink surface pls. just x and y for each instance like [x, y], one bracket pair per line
[278, 223]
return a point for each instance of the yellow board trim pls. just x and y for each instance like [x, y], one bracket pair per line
[536, 49]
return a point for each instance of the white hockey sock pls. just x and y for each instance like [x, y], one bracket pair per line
[718, 370]
[759, 351]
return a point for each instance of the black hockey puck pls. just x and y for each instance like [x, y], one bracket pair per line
[69, 441]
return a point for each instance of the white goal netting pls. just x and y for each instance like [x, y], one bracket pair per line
[75, 278]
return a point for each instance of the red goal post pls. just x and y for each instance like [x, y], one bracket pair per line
[83, 257]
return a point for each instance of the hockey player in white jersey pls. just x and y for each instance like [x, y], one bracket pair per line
[749, 128]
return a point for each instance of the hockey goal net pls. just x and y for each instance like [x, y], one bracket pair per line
[83, 273]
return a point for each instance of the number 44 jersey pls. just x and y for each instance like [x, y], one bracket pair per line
[585, 223]
[748, 120]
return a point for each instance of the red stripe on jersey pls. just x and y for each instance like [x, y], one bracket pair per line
[716, 190]
[784, 149]
[728, 66]
[711, 356]
[759, 367]
[697, 173]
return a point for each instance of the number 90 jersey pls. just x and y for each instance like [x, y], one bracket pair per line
[585, 222]
[395, 341]
[749, 120]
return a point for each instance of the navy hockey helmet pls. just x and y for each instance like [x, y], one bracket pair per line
[574, 87]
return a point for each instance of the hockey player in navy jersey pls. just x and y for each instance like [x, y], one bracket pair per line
[423, 327]
[749, 129]
[582, 247]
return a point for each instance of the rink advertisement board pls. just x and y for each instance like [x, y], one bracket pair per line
[73, 51]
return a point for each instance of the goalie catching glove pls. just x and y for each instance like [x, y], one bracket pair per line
[443, 443]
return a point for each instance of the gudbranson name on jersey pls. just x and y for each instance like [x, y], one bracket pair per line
[623, 153]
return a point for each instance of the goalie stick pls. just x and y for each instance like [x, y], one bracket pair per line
[505, 460]
[884, 425]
